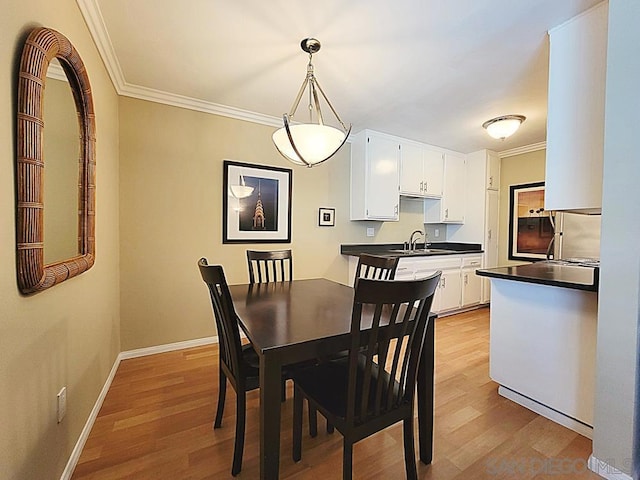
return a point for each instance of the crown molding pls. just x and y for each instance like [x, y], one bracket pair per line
[159, 96]
[56, 72]
[95, 23]
[534, 147]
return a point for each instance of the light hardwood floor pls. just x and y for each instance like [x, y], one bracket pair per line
[156, 423]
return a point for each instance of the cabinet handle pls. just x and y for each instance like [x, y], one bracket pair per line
[489, 235]
[395, 209]
[446, 213]
[425, 186]
[444, 282]
[466, 279]
[421, 186]
[491, 181]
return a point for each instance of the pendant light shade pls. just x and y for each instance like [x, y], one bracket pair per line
[313, 142]
[504, 126]
[241, 190]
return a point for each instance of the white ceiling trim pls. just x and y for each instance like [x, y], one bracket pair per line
[93, 18]
[153, 95]
[534, 147]
[55, 71]
[95, 22]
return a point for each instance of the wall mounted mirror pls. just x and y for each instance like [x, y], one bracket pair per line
[55, 205]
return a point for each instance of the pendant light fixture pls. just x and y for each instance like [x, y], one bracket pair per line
[240, 190]
[504, 126]
[314, 142]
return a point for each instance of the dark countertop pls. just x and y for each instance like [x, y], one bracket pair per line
[395, 249]
[546, 273]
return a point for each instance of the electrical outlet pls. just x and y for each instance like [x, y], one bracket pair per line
[370, 232]
[62, 403]
[436, 233]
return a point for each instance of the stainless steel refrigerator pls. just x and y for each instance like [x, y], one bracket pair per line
[576, 237]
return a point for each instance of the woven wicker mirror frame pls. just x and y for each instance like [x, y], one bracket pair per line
[41, 46]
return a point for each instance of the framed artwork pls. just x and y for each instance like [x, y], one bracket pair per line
[326, 217]
[256, 203]
[530, 226]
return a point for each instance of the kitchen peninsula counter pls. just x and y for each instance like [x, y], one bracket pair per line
[542, 339]
[548, 273]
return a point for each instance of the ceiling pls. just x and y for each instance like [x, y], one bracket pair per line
[427, 70]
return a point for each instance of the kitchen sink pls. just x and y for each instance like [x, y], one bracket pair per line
[420, 251]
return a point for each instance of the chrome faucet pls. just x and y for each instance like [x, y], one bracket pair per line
[412, 242]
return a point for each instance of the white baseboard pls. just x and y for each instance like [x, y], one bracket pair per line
[168, 347]
[77, 449]
[140, 352]
[605, 470]
[547, 412]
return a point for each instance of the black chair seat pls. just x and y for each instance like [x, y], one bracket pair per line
[328, 383]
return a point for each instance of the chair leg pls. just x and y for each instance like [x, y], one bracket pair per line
[297, 424]
[283, 390]
[313, 421]
[329, 427]
[222, 392]
[347, 460]
[241, 414]
[409, 449]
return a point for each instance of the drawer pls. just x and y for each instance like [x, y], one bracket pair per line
[472, 261]
[448, 263]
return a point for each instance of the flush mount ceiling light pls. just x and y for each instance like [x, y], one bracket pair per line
[313, 142]
[504, 126]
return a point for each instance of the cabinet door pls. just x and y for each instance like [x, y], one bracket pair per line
[411, 170]
[455, 174]
[382, 172]
[471, 287]
[493, 171]
[450, 290]
[575, 114]
[433, 173]
[492, 204]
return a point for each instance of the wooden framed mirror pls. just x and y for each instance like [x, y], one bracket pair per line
[34, 275]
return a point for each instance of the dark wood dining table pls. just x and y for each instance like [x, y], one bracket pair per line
[290, 322]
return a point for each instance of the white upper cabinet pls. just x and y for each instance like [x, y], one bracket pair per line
[492, 181]
[411, 170]
[433, 172]
[421, 170]
[374, 176]
[575, 118]
[451, 208]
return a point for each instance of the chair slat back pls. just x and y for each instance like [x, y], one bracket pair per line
[375, 267]
[270, 266]
[225, 316]
[388, 327]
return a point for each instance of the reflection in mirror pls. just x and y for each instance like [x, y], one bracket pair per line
[61, 152]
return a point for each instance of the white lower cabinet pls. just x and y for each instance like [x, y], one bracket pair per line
[459, 286]
[471, 283]
[449, 291]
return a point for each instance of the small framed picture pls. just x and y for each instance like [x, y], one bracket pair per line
[326, 217]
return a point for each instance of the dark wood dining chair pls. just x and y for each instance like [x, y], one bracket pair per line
[376, 267]
[374, 386]
[238, 364]
[270, 266]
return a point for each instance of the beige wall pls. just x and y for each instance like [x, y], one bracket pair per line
[67, 335]
[171, 215]
[518, 169]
